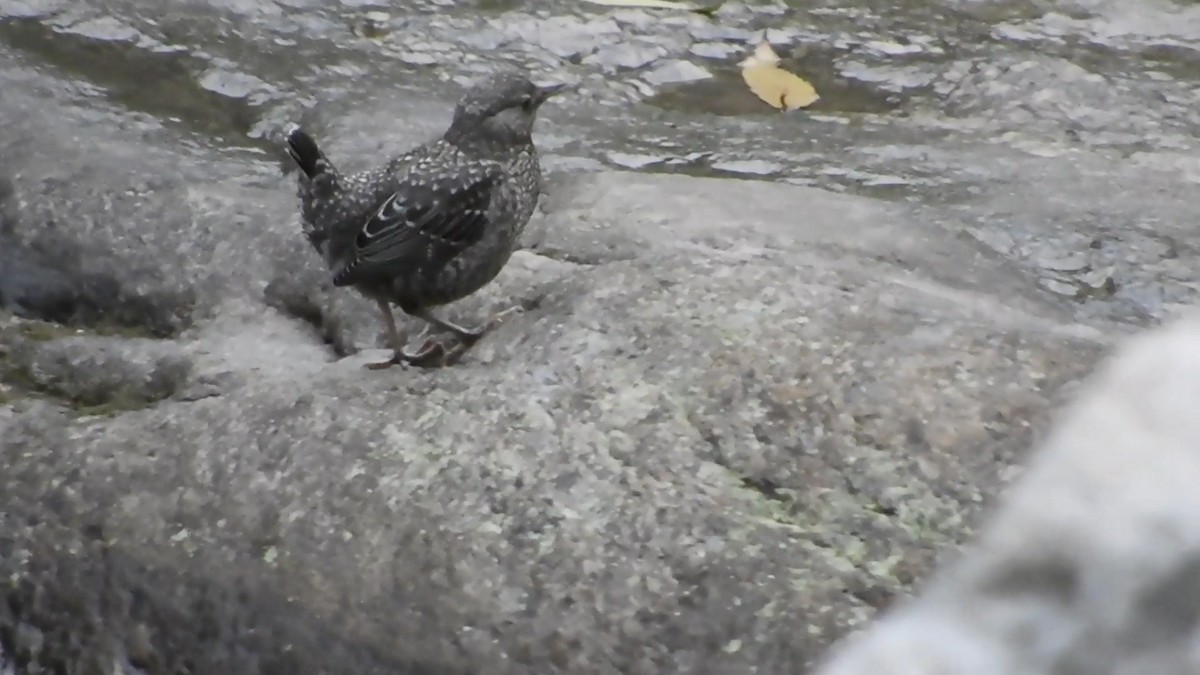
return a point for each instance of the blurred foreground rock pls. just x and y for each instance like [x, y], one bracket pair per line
[1093, 563]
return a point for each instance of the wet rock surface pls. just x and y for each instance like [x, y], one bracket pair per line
[736, 418]
[681, 444]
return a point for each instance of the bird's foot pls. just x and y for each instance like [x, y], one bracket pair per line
[445, 348]
[502, 316]
[422, 335]
[470, 337]
[397, 359]
[435, 351]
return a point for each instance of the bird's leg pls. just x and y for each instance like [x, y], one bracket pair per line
[395, 340]
[467, 335]
[436, 351]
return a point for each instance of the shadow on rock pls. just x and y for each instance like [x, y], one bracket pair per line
[48, 278]
[309, 296]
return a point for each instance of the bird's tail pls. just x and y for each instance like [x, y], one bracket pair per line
[307, 155]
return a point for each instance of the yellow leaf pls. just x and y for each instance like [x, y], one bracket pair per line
[773, 84]
[763, 55]
[779, 88]
[659, 4]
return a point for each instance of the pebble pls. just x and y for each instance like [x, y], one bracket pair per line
[1100, 283]
[566, 38]
[635, 18]
[103, 28]
[417, 58]
[893, 48]
[885, 180]
[752, 167]
[714, 50]
[1071, 262]
[715, 31]
[486, 39]
[674, 72]
[28, 9]
[373, 25]
[625, 56]
[232, 84]
[887, 78]
[782, 36]
[1060, 287]
[630, 160]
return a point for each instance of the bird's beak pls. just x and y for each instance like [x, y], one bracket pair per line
[549, 90]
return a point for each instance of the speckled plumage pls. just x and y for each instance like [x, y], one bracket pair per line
[437, 223]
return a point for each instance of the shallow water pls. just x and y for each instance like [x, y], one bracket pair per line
[1045, 135]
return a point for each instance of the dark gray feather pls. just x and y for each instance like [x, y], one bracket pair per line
[430, 220]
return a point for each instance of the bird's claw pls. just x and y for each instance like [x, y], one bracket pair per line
[433, 352]
[471, 337]
[500, 317]
[444, 349]
[397, 359]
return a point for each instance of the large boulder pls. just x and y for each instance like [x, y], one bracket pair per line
[734, 420]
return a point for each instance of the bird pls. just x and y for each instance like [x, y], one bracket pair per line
[435, 224]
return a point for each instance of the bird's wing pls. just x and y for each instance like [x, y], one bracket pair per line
[429, 216]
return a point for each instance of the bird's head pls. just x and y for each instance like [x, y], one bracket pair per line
[501, 108]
